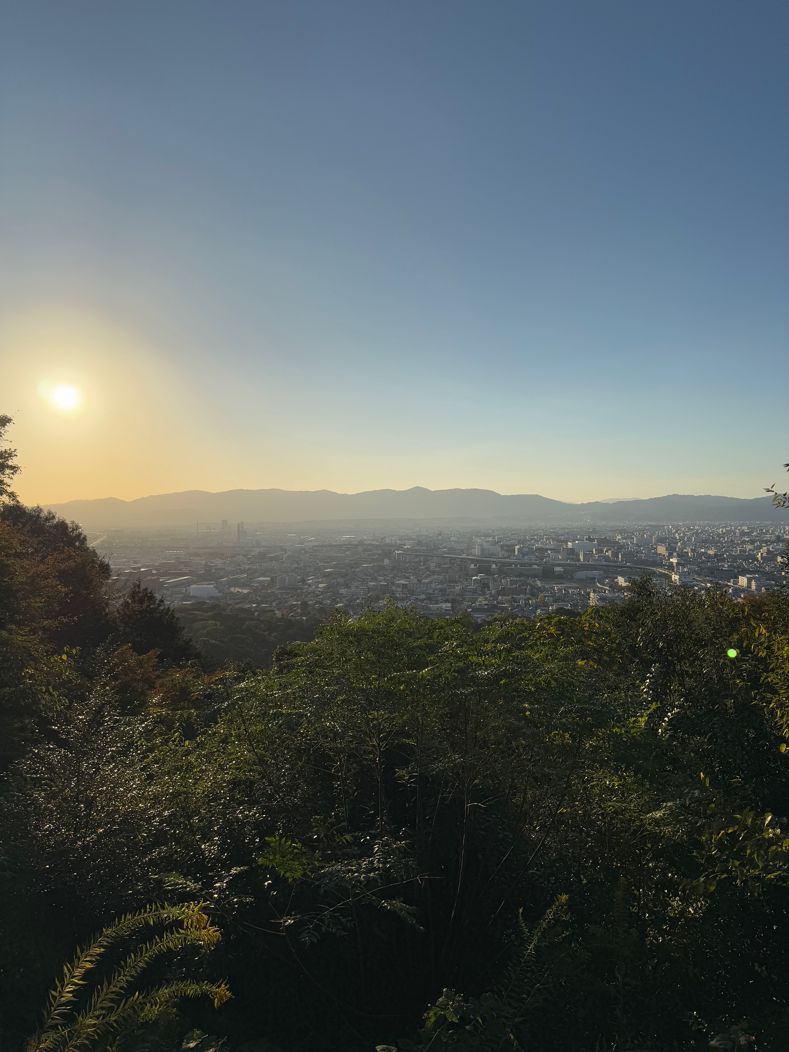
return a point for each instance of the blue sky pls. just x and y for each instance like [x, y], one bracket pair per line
[536, 247]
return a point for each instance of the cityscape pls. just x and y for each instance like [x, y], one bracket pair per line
[438, 570]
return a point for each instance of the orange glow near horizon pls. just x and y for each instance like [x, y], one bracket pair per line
[102, 410]
[97, 411]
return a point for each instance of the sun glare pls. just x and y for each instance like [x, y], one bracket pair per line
[64, 397]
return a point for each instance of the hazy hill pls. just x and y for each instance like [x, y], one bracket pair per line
[277, 505]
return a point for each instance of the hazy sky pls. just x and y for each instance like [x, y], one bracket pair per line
[536, 247]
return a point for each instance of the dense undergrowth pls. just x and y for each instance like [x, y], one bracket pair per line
[568, 833]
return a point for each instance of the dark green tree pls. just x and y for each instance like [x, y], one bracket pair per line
[145, 622]
[56, 551]
[8, 465]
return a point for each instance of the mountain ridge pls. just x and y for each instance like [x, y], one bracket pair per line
[187, 507]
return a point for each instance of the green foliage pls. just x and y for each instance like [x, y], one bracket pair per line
[52, 606]
[780, 500]
[8, 465]
[286, 858]
[223, 634]
[499, 1018]
[99, 1005]
[146, 623]
[749, 849]
[76, 611]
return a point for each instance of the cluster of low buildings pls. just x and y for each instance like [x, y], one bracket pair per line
[441, 570]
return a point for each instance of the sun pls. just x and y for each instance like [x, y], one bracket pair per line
[65, 397]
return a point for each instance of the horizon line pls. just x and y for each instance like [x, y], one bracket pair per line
[383, 489]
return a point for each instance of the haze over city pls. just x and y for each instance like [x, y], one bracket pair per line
[536, 248]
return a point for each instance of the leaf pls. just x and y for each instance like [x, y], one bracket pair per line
[287, 858]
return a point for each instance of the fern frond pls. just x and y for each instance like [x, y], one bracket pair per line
[111, 993]
[521, 974]
[75, 975]
[114, 1002]
[130, 1011]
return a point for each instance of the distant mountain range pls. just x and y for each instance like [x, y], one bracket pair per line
[473, 505]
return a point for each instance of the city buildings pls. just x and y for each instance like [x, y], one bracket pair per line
[441, 571]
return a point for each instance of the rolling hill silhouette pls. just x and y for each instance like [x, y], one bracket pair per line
[278, 505]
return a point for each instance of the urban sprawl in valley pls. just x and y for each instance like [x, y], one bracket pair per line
[284, 570]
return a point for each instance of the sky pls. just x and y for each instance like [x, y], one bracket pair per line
[537, 247]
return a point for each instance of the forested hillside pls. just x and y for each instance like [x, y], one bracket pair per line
[224, 634]
[562, 834]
